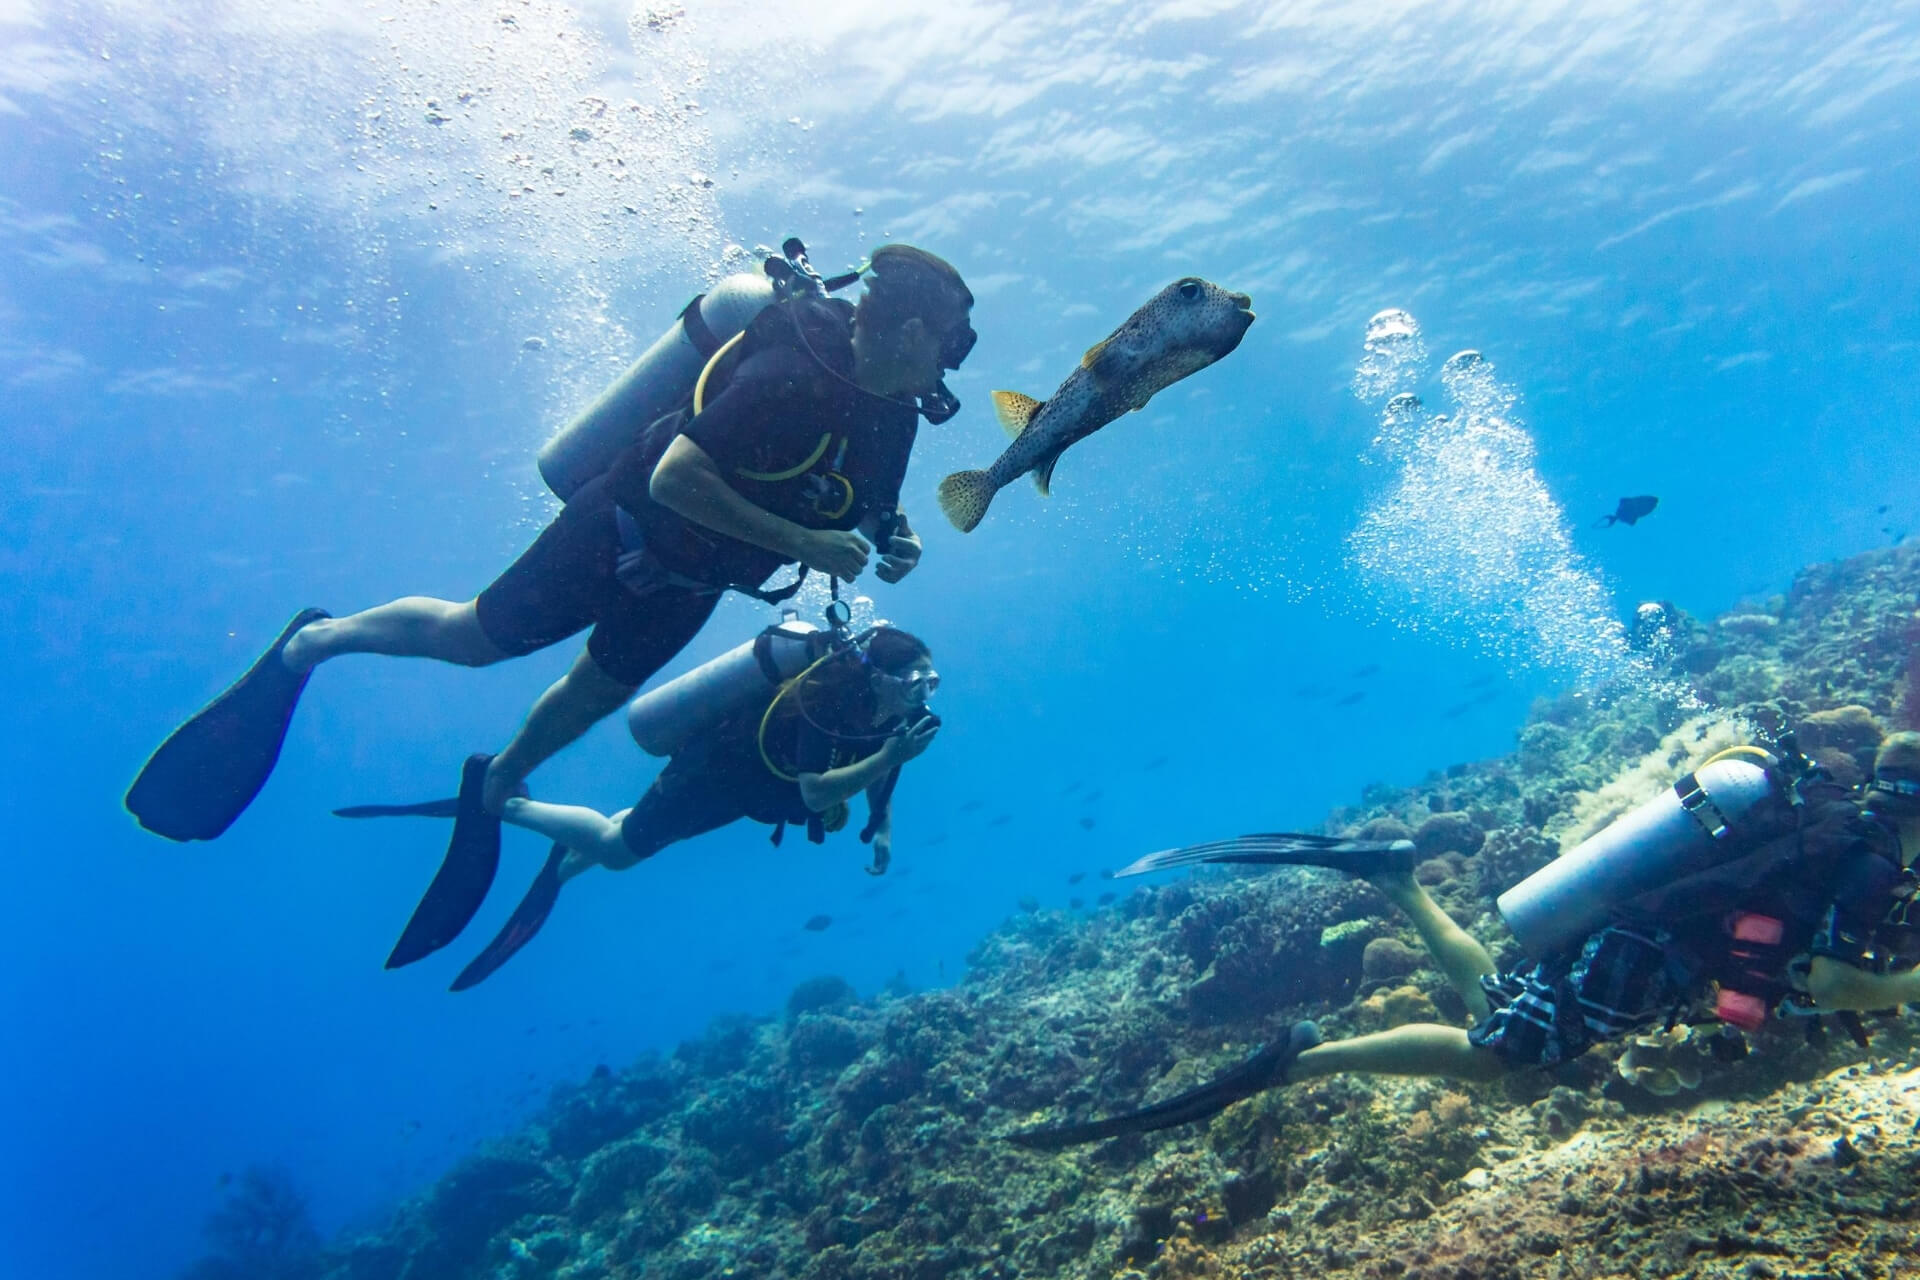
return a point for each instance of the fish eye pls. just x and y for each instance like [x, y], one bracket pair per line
[1189, 289]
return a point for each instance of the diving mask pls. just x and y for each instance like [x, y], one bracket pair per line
[914, 688]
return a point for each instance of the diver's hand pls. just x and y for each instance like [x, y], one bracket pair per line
[902, 555]
[832, 551]
[882, 853]
[903, 747]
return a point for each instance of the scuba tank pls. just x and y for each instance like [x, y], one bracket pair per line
[665, 719]
[1724, 810]
[655, 384]
[664, 377]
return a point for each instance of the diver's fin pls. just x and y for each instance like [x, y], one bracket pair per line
[1286, 848]
[209, 770]
[964, 496]
[520, 926]
[1043, 472]
[448, 808]
[473, 855]
[1262, 1071]
[1092, 358]
[1015, 411]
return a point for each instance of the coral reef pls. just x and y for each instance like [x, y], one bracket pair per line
[859, 1139]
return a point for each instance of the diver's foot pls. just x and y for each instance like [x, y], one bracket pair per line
[302, 651]
[502, 785]
[1302, 1036]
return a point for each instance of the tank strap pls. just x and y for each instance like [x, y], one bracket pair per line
[704, 339]
[1700, 807]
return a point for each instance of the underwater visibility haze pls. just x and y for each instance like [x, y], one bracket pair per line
[1562, 308]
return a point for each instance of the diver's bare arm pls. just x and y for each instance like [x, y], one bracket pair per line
[688, 484]
[1837, 985]
[821, 791]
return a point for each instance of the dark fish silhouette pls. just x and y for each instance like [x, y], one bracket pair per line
[1091, 796]
[1076, 877]
[1072, 787]
[973, 805]
[1457, 710]
[1154, 763]
[1086, 824]
[1105, 898]
[1630, 511]
[1181, 330]
[1106, 874]
[815, 924]
[1000, 820]
[1351, 698]
[1371, 669]
[1074, 904]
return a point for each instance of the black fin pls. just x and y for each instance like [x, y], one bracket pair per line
[1262, 1071]
[209, 769]
[448, 808]
[520, 926]
[1286, 848]
[473, 856]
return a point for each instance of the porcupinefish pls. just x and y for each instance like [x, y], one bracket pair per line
[1181, 330]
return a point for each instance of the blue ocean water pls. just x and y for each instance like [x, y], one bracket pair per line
[288, 301]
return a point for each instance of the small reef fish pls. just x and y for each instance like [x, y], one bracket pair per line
[1181, 330]
[1630, 511]
[816, 924]
[1076, 877]
[1351, 698]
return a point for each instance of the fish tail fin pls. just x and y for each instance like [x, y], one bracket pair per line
[964, 496]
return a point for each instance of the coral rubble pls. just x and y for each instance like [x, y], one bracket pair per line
[854, 1140]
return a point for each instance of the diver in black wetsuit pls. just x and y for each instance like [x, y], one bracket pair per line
[796, 459]
[844, 726]
[1815, 920]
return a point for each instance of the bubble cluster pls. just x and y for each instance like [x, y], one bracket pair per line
[1393, 356]
[1466, 535]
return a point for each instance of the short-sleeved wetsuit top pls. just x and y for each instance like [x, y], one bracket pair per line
[721, 777]
[791, 434]
[788, 432]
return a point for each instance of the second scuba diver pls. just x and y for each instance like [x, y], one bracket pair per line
[844, 725]
[797, 459]
[1759, 894]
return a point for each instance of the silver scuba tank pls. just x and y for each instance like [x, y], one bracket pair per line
[665, 719]
[1724, 810]
[662, 377]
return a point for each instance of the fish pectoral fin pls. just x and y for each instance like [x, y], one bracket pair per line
[1015, 411]
[1110, 357]
[1043, 473]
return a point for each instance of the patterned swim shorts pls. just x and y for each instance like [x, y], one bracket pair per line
[1621, 980]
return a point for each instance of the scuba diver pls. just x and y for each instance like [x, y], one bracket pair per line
[787, 446]
[1754, 883]
[797, 752]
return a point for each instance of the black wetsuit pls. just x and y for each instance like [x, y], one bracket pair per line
[1830, 884]
[788, 432]
[721, 778]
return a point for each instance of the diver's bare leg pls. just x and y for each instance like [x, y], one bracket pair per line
[412, 627]
[1417, 1049]
[1458, 954]
[572, 705]
[592, 838]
